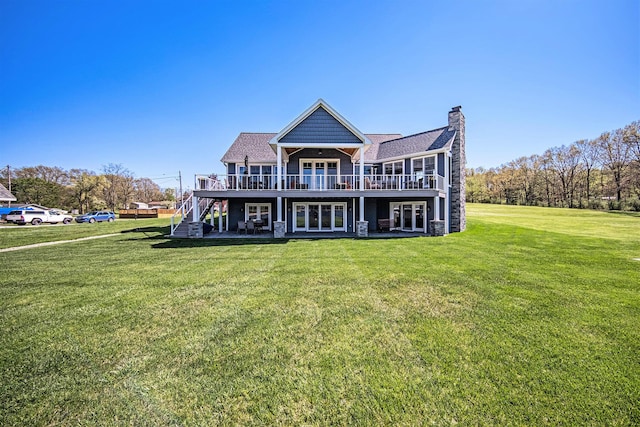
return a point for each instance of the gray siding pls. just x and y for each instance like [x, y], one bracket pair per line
[441, 160]
[320, 128]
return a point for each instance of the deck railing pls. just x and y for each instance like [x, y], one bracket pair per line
[299, 182]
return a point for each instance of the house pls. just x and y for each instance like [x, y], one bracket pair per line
[321, 174]
[5, 195]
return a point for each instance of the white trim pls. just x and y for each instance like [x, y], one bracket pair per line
[314, 176]
[393, 171]
[294, 214]
[259, 205]
[412, 155]
[413, 203]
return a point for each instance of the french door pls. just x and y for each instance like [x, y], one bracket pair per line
[320, 217]
[319, 174]
[258, 212]
[409, 216]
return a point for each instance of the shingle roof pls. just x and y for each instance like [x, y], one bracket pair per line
[383, 146]
[414, 144]
[253, 145]
[371, 154]
[5, 194]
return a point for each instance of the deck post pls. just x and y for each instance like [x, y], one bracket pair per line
[361, 177]
[436, 208]
[279, 208]
[279, 167]
[195, 209]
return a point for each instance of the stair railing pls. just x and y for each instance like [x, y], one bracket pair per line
[184, 211]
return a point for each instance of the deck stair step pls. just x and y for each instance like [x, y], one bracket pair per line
[182, 230]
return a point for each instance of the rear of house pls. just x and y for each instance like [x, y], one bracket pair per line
[320, 174]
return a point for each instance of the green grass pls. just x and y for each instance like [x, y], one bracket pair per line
[20, 235]
[519, 320]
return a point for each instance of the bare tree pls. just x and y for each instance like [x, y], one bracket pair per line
[146, 190]
[52, 174]
[590, 159]
[616, 156]
[118, 188]
[632, 140]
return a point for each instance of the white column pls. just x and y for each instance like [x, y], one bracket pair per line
[279, 208]
[361, 208]
[279, 166]
[436, 208]
[447, 202]
[196, 208]
[220, 217]
[362, 169]
[353, 213]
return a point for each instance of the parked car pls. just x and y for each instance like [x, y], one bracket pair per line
[37, 217]
[97, 216]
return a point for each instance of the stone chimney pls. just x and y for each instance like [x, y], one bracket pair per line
[458, 220]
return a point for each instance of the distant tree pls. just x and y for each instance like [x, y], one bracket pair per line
[46, 173]
[632, 140]
[616, 159]
[118, 186]
[590, 158]
[477, 191]
[146, 190]
[38, 191]
[565, 161]
[86, 187]
[169, 194]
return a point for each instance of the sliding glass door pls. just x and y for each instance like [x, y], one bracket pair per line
[320, 217]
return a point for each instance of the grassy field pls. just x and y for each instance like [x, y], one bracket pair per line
[20, 235]
[530, 317]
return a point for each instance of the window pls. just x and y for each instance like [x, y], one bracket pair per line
[368, 169]
[424, 165]
[394, 168]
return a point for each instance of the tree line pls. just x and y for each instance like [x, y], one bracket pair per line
[600, 173]
[82, 189]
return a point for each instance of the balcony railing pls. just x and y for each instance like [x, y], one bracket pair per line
[299, 182]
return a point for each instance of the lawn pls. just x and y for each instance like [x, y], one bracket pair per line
[20, 235]
[530, 317]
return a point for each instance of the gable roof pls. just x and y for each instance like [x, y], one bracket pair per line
[5, 195]
[327, 113]
[260, 147]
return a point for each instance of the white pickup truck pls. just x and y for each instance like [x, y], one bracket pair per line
[37, 217]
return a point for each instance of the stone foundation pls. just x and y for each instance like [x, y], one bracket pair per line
[278, 229]
[195, 230]
[362, 229]
[437, 228]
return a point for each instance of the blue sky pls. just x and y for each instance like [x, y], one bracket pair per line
[162, 87]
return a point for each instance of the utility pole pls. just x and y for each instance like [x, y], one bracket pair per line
[181, 193]
[9, 176]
